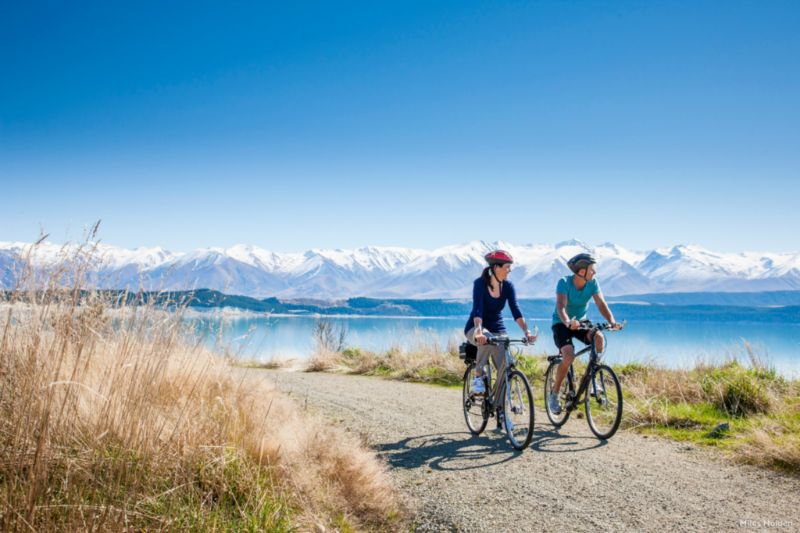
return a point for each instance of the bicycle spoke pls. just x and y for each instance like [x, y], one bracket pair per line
[557, 419]
[518, 410]
[604, 406]
[473, 404]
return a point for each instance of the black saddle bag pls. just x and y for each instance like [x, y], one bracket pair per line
[468, 352]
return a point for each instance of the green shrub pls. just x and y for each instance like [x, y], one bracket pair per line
[438, 375]
[351, 353]
[737, 390]
[631, 369]
[745, 395]
[532, 367]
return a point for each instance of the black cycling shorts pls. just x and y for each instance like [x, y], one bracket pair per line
[562, 335]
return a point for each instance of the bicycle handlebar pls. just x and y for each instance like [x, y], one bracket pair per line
[503, 339]
[500, 339]
[605, 326]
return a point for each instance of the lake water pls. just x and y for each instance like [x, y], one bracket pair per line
[672, 344]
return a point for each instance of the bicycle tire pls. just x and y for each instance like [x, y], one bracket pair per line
[603, 403]
[518, 410]
[560, 419]
[473, 406]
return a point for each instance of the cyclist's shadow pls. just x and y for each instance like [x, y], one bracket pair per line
[458, 450]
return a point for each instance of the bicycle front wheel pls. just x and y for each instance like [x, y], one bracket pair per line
[518, 410]
[557, 419]
[473, 404]
[603, 403]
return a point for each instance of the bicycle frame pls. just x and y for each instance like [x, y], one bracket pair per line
[509, 401]
[502, 378]
[574, 397]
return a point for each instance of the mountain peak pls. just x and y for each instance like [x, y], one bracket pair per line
[573, 242]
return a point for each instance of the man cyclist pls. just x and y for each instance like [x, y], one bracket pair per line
[490, 292]
[569, 319]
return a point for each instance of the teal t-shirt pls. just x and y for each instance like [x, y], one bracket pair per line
[577, 300]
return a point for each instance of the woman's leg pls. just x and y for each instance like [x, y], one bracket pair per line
[483, 353]
[499, 358]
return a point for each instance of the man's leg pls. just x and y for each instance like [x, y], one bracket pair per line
[567, 356]
[599, 342]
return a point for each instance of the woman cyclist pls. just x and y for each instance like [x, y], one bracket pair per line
[490, 293]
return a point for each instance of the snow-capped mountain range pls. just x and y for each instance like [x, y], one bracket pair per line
[388, 272]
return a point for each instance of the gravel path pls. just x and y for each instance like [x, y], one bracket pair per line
[566, 481]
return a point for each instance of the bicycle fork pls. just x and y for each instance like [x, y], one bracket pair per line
[599, 392]
[516, 408]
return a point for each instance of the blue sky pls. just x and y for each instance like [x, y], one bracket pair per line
[340, 124]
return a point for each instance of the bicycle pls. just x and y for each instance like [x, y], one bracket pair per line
[515, 414]
[603, 393]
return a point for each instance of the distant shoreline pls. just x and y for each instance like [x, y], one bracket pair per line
[216, 312]
[764, 307]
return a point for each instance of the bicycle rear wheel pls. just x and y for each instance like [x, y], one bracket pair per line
[472, 404]
[559, 419]
[603, 403]
[518, 410]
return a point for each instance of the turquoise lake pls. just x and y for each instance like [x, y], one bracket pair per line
[672, 344]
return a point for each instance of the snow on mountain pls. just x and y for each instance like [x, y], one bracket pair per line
[434, 274]
[142, 258]
[393, 272]
[212, 269]
[44, 254]
[692, 268]
[787, 264]
[258, 257]
[612, 251]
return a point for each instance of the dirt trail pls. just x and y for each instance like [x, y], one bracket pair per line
[566, 481]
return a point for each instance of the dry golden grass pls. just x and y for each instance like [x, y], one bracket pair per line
[118, 418]
[274, 363]
[772, 448]
[324, 361]
[425, 361]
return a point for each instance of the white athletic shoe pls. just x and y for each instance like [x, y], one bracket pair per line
[478, 386]
[555, 405]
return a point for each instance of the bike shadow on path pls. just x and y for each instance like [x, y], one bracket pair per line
[460, 450]
[548, 439]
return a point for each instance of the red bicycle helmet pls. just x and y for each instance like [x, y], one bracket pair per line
[498, 257]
